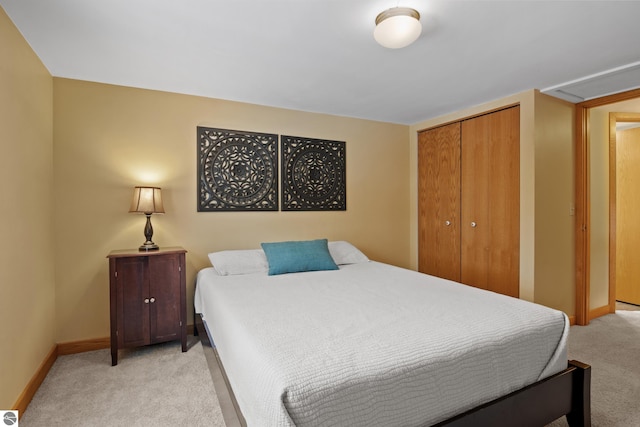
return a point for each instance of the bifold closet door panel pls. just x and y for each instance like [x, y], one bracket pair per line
[490, 188]
[439, 201]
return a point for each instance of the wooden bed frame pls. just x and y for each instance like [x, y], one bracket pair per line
[565, 393]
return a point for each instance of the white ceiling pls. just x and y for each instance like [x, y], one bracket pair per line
[320, 55]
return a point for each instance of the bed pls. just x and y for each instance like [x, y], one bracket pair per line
[370, 344]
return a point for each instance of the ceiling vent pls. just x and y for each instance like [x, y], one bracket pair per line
[608, 82]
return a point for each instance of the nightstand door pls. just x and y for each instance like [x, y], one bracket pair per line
[165, 296]
[133, 304]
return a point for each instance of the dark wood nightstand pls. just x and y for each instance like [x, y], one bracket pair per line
[148, 298]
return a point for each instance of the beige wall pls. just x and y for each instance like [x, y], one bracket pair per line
[599, 194]
[27, 291]
[543, 135]
[554, 203]
[108, 139]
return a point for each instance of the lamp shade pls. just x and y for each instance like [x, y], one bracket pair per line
[397, 27]
[147, 200]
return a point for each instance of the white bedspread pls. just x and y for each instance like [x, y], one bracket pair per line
[372, 345]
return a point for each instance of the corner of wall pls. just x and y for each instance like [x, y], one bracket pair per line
[26, 258]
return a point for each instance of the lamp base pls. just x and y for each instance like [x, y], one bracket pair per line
[149, 247]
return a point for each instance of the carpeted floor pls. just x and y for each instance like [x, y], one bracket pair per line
[161, 386]
[611, 345]
[151, 386]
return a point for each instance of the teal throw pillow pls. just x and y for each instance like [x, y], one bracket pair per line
[298, 256]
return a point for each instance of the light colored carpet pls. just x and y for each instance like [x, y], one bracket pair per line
[611, 345]
[151, 386]
[161, 386]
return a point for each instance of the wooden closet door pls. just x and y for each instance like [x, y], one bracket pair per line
[439, 201]
[490, 234]
[627, 268]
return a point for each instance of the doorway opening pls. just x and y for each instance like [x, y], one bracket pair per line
[595, 278]
[624, 234]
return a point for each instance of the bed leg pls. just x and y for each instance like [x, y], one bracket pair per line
[580, 415]
[195, 328]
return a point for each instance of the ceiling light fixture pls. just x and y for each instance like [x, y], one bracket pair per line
[397, 27]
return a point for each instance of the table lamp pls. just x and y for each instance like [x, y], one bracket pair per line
[147, 200]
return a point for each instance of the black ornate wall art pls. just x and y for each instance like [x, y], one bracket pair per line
[237, 171]
[313, 174]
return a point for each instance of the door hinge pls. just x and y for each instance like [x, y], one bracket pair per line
[179, 268]
[116, 274]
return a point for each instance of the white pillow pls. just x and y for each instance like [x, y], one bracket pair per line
[345, 253]
[248, 261]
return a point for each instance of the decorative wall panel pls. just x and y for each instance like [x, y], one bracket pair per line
[237, 171]
[313, 174]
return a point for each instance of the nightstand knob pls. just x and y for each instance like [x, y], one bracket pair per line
[153, 300]
[146, 300]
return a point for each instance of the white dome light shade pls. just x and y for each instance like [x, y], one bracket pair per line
[397, 27]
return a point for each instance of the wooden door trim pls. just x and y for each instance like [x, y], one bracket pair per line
[582, 199]
[612, 212]
[582, 215]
